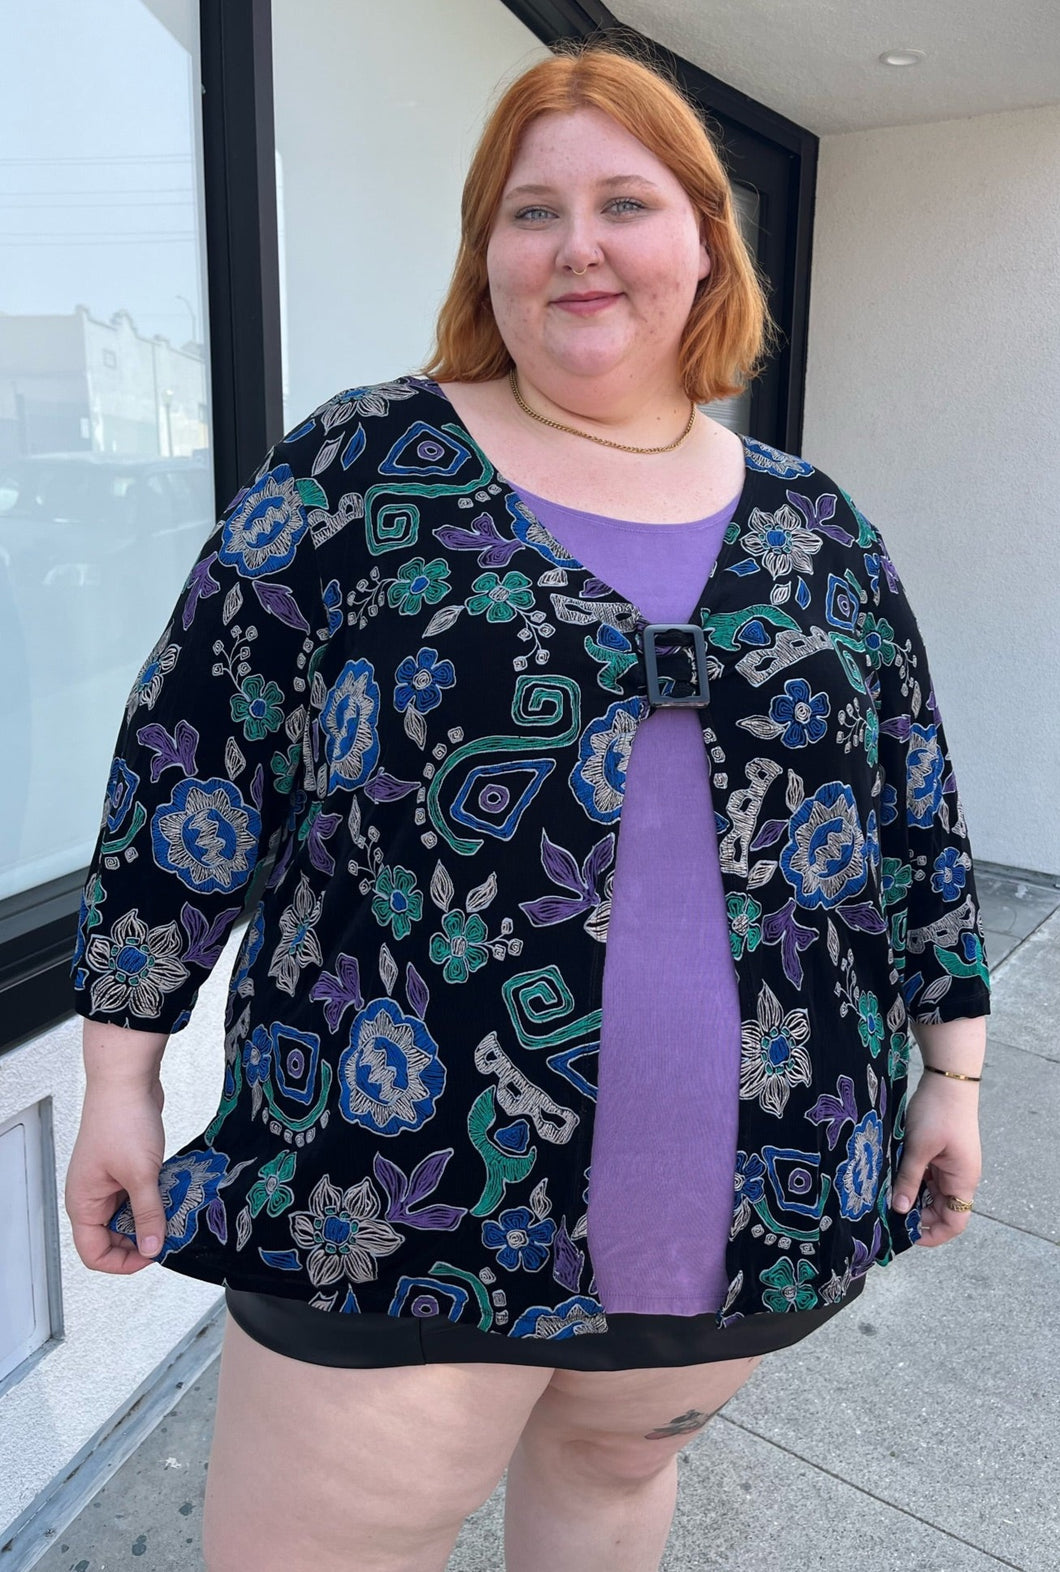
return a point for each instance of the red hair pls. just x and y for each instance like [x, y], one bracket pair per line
[729, 329]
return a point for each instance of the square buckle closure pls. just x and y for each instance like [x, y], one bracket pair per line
[648, 635]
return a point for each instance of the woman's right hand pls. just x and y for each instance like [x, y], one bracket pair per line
[118, 1152]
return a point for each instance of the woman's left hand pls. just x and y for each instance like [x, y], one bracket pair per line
[942, 1149]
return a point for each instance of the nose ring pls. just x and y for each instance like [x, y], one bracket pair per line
[580, 272]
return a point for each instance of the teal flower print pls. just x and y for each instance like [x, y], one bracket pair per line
[257, 707]
[801, 713]
[898, 1056]
[397, 901]
[271, 1189]
[872, 738]
[418, 581]
[461, 947]
[745, 928]
[786, 1291]
[877, 636]
[501, 598]
[897, 880]
[870, 1023]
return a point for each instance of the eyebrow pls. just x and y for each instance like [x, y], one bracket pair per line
[611, 180]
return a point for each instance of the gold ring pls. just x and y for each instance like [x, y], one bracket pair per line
[955, 1204]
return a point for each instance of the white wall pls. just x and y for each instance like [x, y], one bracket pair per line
[933, 397]
[378, 108]
[117, 1329]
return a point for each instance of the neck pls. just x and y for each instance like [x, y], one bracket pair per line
[644, 412]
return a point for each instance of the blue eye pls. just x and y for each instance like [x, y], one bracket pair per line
[531, 212]
[628, 202]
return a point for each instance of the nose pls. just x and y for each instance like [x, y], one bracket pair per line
[578, 250]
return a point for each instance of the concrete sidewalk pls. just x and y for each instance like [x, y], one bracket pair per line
[920, 1432]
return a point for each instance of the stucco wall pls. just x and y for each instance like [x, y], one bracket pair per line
[933, 392]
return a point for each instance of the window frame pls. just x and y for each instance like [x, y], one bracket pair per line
[760, 148]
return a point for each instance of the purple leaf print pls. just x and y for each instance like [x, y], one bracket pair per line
[896, 726]
[338, 993]
[256, 783]
[418, 992]
[781, 928]
[560, 866]
[594, 589]
[447, 1218]
[480, 535]
[426, 1176]
[835, 1112]
[278, 601]
[206, 942]
[387, 788]
[178, 749]
[770, 833]
[818, 513]
[567, 1260]
[216, 1219]
[393, 1181]
[598, 860]
[200, 586]
[554, 908]
[862, 916]
[323, 825]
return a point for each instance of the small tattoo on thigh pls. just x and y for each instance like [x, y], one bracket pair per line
[683, 1425]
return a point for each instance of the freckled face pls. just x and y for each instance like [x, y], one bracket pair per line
[589, 211]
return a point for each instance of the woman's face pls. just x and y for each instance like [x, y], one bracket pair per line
[595, 255]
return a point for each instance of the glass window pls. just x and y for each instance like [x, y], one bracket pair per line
[106, 488]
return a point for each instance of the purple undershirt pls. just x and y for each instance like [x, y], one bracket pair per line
[664, 1143]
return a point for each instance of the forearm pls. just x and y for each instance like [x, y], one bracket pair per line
[119, 1055]
[958, 1045]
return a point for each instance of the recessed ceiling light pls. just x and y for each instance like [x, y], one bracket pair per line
[902, 57]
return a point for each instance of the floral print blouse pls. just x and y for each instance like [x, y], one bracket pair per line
[384, 667]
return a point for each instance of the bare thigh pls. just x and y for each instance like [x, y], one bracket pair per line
[613, 1425]
[332, 1468]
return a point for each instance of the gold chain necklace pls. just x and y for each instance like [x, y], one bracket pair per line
[623, 447]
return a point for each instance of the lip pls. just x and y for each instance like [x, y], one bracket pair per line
[588, 303]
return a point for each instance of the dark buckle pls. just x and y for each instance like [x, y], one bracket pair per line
[647, 637]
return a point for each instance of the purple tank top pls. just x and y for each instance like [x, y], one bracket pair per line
[660, 1194]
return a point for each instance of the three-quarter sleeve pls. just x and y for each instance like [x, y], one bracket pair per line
[928, 875]
[206, 759]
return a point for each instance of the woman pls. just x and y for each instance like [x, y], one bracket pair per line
[409, 1113]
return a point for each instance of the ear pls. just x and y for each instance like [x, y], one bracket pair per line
[704, 260]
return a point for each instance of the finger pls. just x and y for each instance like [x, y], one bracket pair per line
[149, 1215]
[909, 1178]
[102, 1250]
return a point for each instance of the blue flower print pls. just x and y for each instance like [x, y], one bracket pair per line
[888, 804]
[261, 534]
[801, 713]
[924, 767]
[857, 1179]
[121, 793]
[749, 1188]
[825, 859]
[207, 835]
[187, 1184]
[257, 1056]
[350, 720]
[598, 780]
[949, 877]
[567, 1319]
[333, 605]
[390, 1076]
[519, 1241]
[420, 680]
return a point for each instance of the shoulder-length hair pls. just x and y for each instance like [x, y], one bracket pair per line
[729, 330]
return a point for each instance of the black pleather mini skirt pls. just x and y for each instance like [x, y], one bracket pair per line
[631, 1342]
